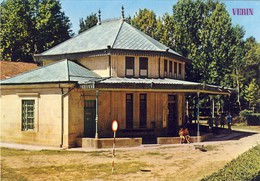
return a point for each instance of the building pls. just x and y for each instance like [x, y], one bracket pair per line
[9, 69]
[110, 72]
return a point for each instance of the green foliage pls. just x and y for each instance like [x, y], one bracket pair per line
[31, 26]
[245, 167]
[202, 31]
[88, 23]
[252, 93]
[244, 113]
[145, 20]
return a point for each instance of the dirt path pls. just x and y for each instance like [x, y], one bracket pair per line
[182, 162]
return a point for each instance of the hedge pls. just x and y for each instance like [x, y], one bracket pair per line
[253, 119]
[250, 118]
[245, 167]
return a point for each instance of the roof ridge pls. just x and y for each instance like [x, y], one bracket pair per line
[68, 69]
[122, 22]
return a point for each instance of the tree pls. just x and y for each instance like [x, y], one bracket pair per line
[145, 20]
[31, 26]
[14, 35]
[165, 30]
[252, 94]
[217, 49]
[88, 23]
[52, 25]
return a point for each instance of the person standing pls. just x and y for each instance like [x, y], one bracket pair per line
[229, 121]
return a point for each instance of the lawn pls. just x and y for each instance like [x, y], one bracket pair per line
[182, 162]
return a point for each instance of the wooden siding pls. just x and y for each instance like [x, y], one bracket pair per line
[112, 106]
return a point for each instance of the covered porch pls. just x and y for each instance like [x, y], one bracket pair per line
[147, 109]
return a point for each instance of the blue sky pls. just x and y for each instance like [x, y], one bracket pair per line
[76, 9]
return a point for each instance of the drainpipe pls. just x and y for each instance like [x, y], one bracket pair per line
[62, 118]
[96, 135]
[198, 116]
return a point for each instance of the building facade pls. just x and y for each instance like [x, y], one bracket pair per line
[110, 72]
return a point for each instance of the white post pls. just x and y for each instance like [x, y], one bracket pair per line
[198, 116]
[96, 135]
[114, 145]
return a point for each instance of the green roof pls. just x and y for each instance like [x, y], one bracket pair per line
[61, 71]
[117, 34]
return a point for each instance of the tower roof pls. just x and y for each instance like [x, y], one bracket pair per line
[116, 34]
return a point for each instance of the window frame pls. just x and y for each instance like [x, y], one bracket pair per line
[127, 59]
[35, 98]
[28, 115]
[165, 67]
[175, 69]
[180, 71]
[143, 62]
[170, 68]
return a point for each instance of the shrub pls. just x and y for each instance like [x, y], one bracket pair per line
[245, 167]
[250, 118]
[253, 119]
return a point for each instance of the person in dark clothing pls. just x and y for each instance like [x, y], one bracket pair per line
[229, 121]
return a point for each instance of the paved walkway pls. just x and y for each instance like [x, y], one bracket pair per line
[215, 139]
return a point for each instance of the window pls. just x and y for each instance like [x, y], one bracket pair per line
[129, 66]
[175, 69]
[170, 69]
[165, 68]
[28, 107]
[180, 70]
[143, 64]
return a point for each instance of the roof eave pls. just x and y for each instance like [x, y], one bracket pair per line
[112, 51]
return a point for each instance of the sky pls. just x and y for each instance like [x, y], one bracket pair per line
[110, 9]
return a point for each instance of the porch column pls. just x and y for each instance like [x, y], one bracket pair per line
[198, 116]
[96, 135]
[213, 107]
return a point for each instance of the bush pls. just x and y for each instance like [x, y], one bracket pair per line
[250, 118]
[253, 119]
[245, 167]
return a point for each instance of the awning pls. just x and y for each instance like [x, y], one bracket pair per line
[166, 85]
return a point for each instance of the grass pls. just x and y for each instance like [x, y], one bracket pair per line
[245, 167]
[79, 171]
[65, 170]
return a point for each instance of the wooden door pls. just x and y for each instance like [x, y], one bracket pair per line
[90, 118]
[172, 114]
[129, 111]
[143, 110]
